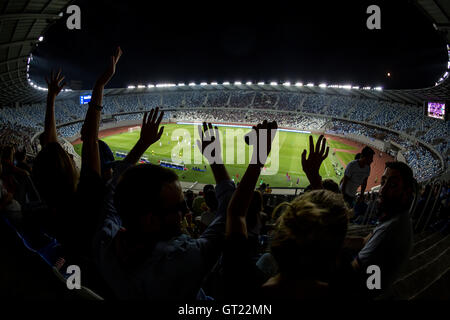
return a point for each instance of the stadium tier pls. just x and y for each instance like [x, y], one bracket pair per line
[333, 114]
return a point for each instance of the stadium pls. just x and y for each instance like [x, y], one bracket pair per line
[396, 124]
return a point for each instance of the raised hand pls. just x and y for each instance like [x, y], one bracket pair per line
[312, 165]
[209, 144]
[54, 84]
[111, 70]
[150, 125]
[262, 136]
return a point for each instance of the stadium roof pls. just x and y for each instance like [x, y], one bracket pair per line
[439, 12]
[22, 22]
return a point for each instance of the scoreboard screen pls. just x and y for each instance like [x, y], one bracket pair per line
[85, 99]
[436, 110]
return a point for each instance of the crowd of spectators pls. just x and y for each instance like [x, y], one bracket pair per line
[290, 101]
[218, 99]
[315, 103]
[265, 101]
[339, 105]
[136, 235]
[387, 113]
[391, 115]
[242, 99]
[18, 136]
[362, 110]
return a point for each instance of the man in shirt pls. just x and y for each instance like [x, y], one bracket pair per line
[389, 245]
[140, 250]
[356, 174]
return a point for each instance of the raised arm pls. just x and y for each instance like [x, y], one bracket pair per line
[240, 202]
[55, 85]
[89, 132]
[312, 165]
[210, 147]
[149, 135]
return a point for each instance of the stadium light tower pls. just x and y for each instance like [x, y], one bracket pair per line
[273, 83]
[310, 84]
[237, 83]
[192, 84]
[203, 84]
[181, 84]
[249, 83]
[41, 38]
[226, 83]
[261, 83]
[299, 84]
[287, 84]
[214, 83]
[322, 85]
[131, 87]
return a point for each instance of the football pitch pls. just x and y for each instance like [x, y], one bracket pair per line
[178, 143]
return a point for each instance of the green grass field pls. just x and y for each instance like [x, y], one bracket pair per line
[291, 145]
[345, 156]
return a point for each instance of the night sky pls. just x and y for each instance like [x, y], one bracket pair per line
[230, 41]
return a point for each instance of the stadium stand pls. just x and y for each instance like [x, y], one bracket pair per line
[42, 212]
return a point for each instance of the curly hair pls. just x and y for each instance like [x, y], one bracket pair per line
[310, 232]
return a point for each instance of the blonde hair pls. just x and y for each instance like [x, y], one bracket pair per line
[310, 231]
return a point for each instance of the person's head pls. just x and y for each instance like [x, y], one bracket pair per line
[150, 201]
[263, 187]
[54, 175]
[207, 187]
[211, 200]
[397, 186]
[357, 156]
[310, 233]
[21, 156]
[366, 156]
[331, 185]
